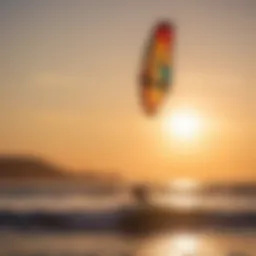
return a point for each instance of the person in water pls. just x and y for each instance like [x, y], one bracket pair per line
[140, 193]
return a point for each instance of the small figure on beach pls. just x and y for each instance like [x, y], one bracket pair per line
[140, 193]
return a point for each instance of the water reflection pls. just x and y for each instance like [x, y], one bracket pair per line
[188, 244]
[179, 244]
[184, 244]
[171, 244]
[195, 200]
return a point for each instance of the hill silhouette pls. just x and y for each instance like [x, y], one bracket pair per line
[28, 166]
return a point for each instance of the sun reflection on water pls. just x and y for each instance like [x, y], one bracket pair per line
[183, 244]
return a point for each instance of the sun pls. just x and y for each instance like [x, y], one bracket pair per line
[184, 124]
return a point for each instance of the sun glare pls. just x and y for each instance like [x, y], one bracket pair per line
[184, 125]
[177, 244]
[184, 184]
[185, 244]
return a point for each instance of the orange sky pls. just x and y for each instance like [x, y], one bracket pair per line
[68, 87]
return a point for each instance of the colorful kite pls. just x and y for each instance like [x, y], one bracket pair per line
[156, 73]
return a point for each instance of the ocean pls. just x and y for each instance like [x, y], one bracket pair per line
[56, 219]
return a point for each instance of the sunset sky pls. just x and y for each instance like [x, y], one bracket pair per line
[68, 87]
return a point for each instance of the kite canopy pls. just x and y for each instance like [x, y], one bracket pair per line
[156, 70]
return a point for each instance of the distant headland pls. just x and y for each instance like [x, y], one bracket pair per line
[33, 167]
